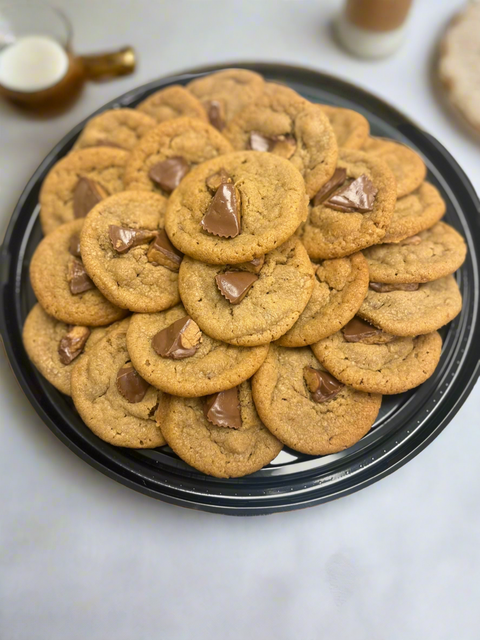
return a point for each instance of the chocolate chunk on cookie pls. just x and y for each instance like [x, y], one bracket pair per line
[172, 102]
[121, 128]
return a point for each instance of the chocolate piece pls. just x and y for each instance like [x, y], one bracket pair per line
[74, 246]
[253, 266]
[216, 113]
[179, 340]
[321, 384]
[217, 179]
[357, 330]
[123, 238]
[169, 173]
[223, 215]
[86, 195]
[411, 240]
[329, 187]
[282, 145]
[71, 345]
[162, 252]
[130, 384]
[358, 196]
[223, 409]
[234, 285]
[381, 287]
[78, 279]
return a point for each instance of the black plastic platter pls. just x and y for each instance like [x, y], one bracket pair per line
[406, 423]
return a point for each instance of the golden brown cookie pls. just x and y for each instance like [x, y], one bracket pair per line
[56, 270]
[388, 368]
[130, 278]
[225, 93]
[407, 166]
[272, 304]
[340, 287]
[121, 128]
[213, 366]
[330, 233]
[411, 313]
[430, 255]
[284, 123]
[315, 424]
[219, 451]
[350, 127]
[99, 169]
[416, 212]
[272, 203]
[170, 151]
[172, 102]
[117, 408]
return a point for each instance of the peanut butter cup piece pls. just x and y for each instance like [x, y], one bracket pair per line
[179, 340]
[74, 246]
[223, 215]
[381, 287]
[358, 330]
[254, 266]
[329, 187]
[169, 173]
[78, 279]
[72, 344]
[234, 285]
[321, 384]
[130, 384]
[216, 113]
[86, 195]
[215, 180]
[162, 252]
[223, 409]
[282, 145]
[123, 239]
[359, 196]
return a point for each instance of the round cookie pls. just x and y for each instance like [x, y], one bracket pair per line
[41, 338]
[230, 91]
[172, 102]
[189, 139]
[130, 280]
[407, 166]
[102, 166]
[350, 127]
[214, 367]
[411, 313]
[394, 367]
[340, 287]
[100, 404]
[432, 254]
[50, 267]
[416, 212]
[121, 128]
[273, 204]
[271, 306]
[219, 451]
[286, 405]
[329, 233]
[288, 125]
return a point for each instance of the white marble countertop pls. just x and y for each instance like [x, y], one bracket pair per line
[84, 557]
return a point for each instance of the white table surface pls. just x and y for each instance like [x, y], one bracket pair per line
[84, 557]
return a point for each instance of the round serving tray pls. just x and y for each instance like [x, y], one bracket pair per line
[406, 423]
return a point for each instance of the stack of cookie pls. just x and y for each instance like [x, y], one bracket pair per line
[229, 269]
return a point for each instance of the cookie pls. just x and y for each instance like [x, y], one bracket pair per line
[62, 285]
[416, 212]
[430, 255]
[121, 128]
[332, 233]
[407, 166]
[411, 313]
[270, 204]
[394, 367]
[350, 127]
[459, 61]
[207, 367]
[220, 451]
[77, 182]
[170, 151]
[172, 102]
[47, 343]
[340, 287]
[274, 298]
[130, 278]
[284, 123]
[313, 423]
[223, 94]
[114, 402]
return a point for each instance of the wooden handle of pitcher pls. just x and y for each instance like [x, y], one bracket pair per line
[102, 66]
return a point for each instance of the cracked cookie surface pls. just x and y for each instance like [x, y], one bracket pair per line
[172, 102]
[285, 405]
[219, 451]
[272, 305]
[215, 366]
[115, 127]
